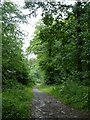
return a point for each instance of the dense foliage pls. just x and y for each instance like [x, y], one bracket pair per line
[16, 101]
[62, 45]
[71, 93]
[35, 72]
[16, 97]
[13, 61]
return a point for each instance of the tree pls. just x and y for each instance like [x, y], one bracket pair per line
[61, 44]
[13, 61]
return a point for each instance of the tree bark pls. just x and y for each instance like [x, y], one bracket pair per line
[88, 66]
[79, 41]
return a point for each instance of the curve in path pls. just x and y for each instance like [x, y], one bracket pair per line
[47, 106]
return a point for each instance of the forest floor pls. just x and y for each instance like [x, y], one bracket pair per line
[47, 106]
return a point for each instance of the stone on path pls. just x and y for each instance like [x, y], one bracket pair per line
[47, 106]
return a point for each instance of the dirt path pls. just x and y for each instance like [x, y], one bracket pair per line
[46, 106]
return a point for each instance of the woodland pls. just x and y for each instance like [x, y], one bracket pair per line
[62, 45]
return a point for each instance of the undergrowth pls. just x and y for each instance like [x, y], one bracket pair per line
[71, 93]
[16, 101]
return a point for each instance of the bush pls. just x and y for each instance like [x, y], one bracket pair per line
[70, 92]
[16, 102]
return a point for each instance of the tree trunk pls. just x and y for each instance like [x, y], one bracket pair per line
[50, 68]
[88, 45]
[79, 41]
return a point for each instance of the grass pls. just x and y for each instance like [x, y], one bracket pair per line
[16, 102]
[70, 92]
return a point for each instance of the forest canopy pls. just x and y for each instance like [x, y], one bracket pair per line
[62, 48]
[61, 41]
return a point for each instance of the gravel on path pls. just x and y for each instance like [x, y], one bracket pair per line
[47, 106]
